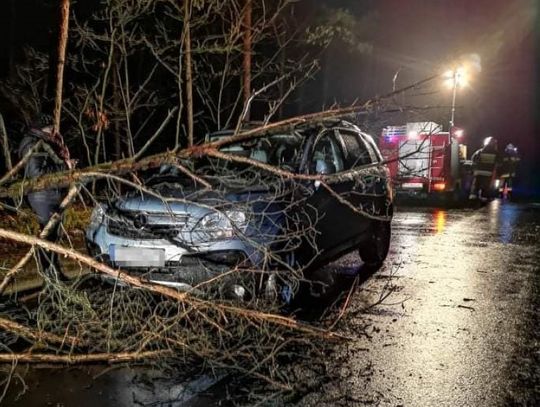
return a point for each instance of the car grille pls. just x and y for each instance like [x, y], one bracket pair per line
[126, 226]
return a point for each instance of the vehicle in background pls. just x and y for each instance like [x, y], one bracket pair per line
[184, 235]
[426, 162]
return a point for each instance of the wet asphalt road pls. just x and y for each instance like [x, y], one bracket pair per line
[461, 326]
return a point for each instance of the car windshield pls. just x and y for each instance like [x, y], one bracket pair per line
[280, 150]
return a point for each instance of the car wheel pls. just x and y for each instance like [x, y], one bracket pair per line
[374, 251]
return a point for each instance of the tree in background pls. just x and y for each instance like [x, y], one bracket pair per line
[135, 71]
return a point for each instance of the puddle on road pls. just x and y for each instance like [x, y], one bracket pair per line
[423, 222]
[100, 386]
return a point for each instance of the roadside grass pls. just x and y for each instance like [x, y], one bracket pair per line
[75, 220]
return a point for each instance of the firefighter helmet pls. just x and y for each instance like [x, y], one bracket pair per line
[490, 142]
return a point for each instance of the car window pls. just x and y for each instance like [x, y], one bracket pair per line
[372, 147]
[327, 156]
[358, 152]
[281, 150]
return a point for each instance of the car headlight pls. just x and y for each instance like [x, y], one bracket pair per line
[97, 217]
[222, 225]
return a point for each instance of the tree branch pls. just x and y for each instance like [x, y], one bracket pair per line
[121, 357]
[64, 25]
[53, 221]
[171, 293]
[5, 143]
[34, 335]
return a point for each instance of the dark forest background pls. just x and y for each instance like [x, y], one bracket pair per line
[376, 39]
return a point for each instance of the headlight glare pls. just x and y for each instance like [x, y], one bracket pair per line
[222, 225]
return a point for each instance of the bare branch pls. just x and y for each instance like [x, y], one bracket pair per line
[21, 163]
[5, 143]
[34, 335]
[121, 357]
[51, 224]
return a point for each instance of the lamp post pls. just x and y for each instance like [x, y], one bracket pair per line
[455, 78]
[454, 92]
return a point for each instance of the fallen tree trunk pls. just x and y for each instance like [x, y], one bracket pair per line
[63, 179]
[84, 358]
[66, 178]
[171, 293]
[35, 335]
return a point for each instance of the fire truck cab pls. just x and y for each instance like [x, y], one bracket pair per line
[425, 161]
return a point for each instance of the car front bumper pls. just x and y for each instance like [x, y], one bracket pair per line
[185, 266]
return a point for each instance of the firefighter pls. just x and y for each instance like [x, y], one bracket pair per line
[50, 157]
[485, 163]
[507, 170]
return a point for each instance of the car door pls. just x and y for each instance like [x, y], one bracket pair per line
[329, 217]
[380, 185]
[358, 190]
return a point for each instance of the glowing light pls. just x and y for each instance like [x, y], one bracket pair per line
[456, 77]
[412, 134]
[439, 186]
[458, 133]
[440, 221]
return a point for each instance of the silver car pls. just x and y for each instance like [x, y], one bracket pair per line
[178, 233]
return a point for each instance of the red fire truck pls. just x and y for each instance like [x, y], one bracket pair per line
[425, 161]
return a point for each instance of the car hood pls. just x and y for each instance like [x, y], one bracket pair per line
[168, 198]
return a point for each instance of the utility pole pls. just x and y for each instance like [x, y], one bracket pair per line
[454, 92]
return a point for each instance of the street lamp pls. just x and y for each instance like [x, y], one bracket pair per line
[453, 79]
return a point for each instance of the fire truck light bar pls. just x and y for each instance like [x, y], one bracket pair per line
[392, 131]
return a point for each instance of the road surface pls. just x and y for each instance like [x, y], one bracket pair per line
[462, 325]
[459, 328]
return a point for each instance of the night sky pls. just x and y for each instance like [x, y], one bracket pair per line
[421, 37]
[500, 100]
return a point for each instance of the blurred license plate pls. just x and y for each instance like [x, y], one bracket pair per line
[137, 256]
